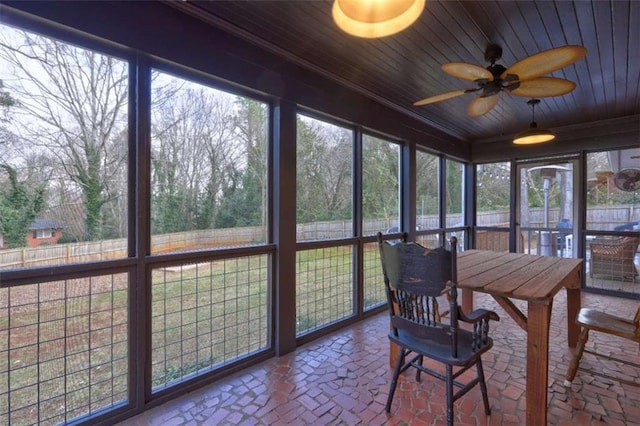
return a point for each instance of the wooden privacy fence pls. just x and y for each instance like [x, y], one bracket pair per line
[605, 218]
[600, 218]
[63, 253]
[92, 251]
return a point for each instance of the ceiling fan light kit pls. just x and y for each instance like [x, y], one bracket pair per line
[375, 18]
[533, 135]
[524, 78]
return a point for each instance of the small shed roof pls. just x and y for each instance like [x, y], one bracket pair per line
[40, 223]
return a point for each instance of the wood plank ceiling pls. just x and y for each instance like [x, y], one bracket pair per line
[400, 69]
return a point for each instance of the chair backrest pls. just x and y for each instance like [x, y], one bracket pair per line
[564, 223]
[631, 244]
[414, 277]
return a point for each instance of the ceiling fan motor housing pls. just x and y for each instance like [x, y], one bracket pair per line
[496, 70]
[490, 88]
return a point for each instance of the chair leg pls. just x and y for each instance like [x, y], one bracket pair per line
[394, 380]
[483, 387]
[575, 361]
[418, 371]
[449, 378]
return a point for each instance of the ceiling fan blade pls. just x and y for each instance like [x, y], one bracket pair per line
[442, 97]
[542, 87]
[545, 62]
[466, 71]
[481, 105]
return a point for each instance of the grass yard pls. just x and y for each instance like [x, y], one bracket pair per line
[64, 345]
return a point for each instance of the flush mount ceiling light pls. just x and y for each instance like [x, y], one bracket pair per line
[533, 135]
[375, 18]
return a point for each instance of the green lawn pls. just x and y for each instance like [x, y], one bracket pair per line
[64, 348]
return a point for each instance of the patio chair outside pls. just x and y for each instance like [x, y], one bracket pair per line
[613, 258]
[561, 241]
[414, 277]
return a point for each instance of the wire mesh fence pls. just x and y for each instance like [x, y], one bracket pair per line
[324, 287]
[64, 349]
[207, 315]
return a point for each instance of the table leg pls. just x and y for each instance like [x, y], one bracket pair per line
[467, 300]
[537, 362]
[573, 306]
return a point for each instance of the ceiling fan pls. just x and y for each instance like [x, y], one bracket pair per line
[524, 78]
[627, 179]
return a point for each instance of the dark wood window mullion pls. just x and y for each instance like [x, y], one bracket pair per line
[442, 191]
[469, 204]
[284, 225]
[139, 233]
[408, 185]
[357, 220]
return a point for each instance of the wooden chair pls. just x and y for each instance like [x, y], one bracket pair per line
[414, 277]
[591, 319]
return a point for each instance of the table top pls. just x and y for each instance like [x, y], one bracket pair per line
[516, 275]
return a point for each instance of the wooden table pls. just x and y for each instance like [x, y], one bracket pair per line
[535, 279]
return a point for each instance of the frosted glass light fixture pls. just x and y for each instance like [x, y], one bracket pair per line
[375, 18]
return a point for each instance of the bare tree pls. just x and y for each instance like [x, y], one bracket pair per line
[324, 168]
[252, 128]
[73, 105]
[195, 154]
[380, 179]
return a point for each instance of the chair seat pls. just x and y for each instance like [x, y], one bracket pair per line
[607, 323]
[442, 351]
[594, 320]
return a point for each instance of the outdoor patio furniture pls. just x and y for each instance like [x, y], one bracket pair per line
[561, 235]
[612, 257]
[627, 226]
[591, 319]
[414, 277]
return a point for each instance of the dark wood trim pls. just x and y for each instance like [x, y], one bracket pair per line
[470, 203]
[40, 274]
[600, 135]
[139, 235]
[356, 223]
[284, 220]
[514, 199]
[581, 205]
[442, 197]
[408, 186]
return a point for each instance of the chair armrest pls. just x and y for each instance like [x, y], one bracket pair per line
[477, 316]
[480, 319]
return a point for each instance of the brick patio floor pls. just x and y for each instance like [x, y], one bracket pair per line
[343, 379]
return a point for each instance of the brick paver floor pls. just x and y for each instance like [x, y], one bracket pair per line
[343, 379]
